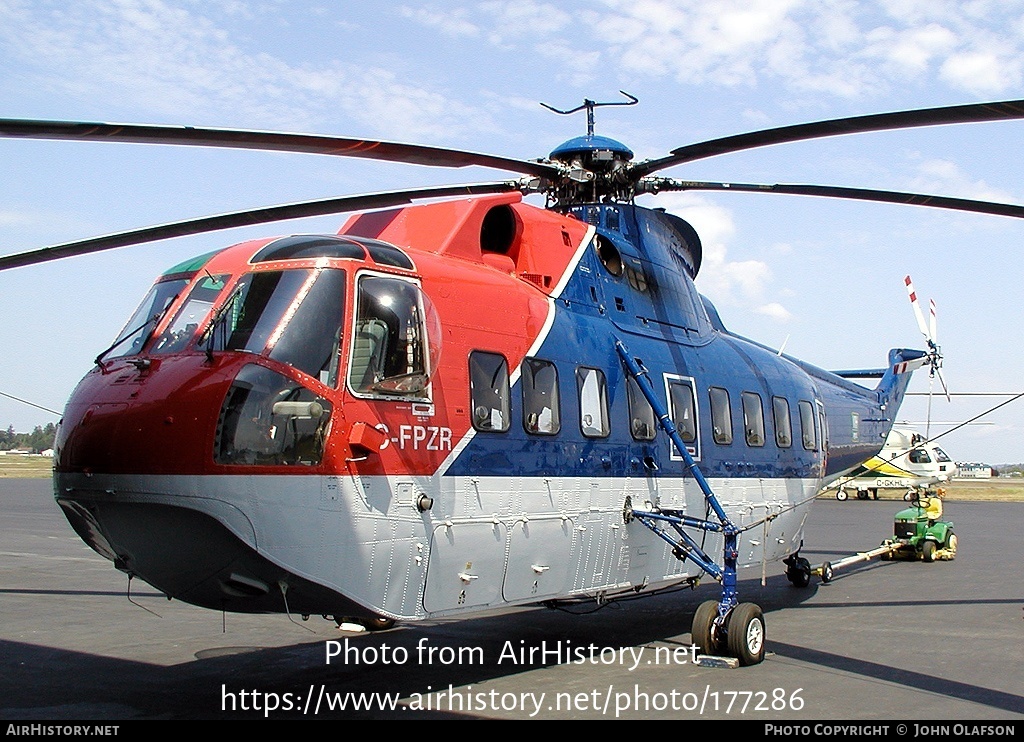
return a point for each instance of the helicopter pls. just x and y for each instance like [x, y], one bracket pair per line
[907, 461]
[466, 404]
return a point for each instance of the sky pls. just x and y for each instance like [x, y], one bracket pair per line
[822, 278]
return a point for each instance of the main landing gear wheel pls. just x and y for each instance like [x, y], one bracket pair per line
[701, 633]
[745, 629]
[377, 623]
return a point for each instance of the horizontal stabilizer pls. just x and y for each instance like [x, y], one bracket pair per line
[863, 373]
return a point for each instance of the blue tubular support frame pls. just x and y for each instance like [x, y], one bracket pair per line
[686, 547]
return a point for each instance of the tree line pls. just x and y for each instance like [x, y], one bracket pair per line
[39, 440]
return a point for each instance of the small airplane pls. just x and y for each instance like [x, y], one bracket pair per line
[465, 404]
[907, 461]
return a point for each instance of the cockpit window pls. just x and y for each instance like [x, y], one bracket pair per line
[192, 313]
[292, 316]
[270, 420]
[134, 335]
[396, 339]
[920, 456]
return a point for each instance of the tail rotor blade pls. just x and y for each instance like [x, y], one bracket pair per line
[917, 307]
[933, 333]
[945, 389]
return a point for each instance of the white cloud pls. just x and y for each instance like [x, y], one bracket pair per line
[946, 178]
[726, 282]
[171, 60]
[775, 311]
[839, 48]
[982, 72]
[451, 22]
[523, 18]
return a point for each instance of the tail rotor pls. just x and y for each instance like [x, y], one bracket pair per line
[930, 333]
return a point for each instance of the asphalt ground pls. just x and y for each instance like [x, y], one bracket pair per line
[883, 641]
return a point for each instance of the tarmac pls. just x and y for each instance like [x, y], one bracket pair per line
[884, 641]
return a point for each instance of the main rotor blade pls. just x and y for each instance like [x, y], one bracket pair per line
[267, 140]
[655, 185]
[247, 218]
[963, 114]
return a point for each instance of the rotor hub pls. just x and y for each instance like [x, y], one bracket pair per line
[591, 150]
[594, 169]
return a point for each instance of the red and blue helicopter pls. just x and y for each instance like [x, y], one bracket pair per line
[465, 404]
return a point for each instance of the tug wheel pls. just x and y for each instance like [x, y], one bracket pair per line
[951, 542]
[702, 631]
[827, 572]
[928, 551]
[746, 634]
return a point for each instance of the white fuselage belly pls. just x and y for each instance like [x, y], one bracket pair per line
[484, 542]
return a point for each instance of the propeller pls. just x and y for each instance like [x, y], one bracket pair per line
[656, 185]
[962, 114]
[565, 182]
[246, 218]
[415, 154]
[928, 330]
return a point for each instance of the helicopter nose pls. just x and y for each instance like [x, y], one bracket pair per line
[157, 419]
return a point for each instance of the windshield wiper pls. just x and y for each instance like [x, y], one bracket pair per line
[211, 329]
[152, 322]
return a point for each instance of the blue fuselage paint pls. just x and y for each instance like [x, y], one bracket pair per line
[645, 295]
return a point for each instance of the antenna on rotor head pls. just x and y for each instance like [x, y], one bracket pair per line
[591, 105]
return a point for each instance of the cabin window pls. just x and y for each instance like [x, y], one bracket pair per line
[683, 410]
[395, 339]
[807, 426]
[641, 415]
[193, 312]
[721, 415]
[540, 397]
[783, 424]
[753, 418]
[593, 391]
[489, 391]
[135, 334]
